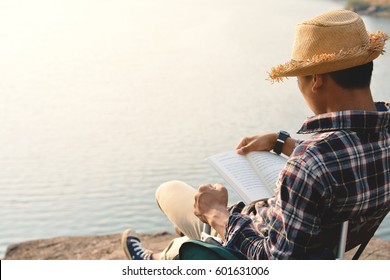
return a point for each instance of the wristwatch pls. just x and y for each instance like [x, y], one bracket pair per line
[282, 137]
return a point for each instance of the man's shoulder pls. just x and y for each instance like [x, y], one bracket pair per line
[320, 142]
[321, 146]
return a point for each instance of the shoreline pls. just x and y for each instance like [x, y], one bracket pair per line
[88, 247]
[108, 247]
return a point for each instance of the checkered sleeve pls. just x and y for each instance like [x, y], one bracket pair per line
[295, 225]
[292, 222]
[242, 235]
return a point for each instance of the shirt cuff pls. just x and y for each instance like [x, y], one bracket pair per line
[233, 228]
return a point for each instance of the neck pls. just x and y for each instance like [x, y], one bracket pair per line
[333, 98]
[341, 99]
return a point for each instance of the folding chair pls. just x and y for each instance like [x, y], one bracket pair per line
[353, 233]
[346, 236]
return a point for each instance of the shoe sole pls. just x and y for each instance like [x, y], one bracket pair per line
[125, 234]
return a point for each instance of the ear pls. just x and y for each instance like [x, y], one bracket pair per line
[317, 82]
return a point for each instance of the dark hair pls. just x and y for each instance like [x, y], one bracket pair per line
[355, 77]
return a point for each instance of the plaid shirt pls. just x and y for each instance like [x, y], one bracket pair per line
[340, 172]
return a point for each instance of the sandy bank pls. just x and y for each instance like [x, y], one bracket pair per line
[96, 247]
[107, 247]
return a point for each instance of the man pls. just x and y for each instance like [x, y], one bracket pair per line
[339, 173]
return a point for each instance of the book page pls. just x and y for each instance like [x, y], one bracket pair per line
[240, 174]
[268, 166]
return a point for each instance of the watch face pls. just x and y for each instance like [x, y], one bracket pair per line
[284, 132]
[283, 135]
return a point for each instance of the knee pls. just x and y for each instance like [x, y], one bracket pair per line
[168, 188]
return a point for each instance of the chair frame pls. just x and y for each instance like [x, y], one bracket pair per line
[357, 234]
[349, 235]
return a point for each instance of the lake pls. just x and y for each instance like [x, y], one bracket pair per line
[102, 101]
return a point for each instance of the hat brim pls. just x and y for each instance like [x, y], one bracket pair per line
[325, 63]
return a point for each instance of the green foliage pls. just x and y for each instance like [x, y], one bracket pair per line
[376, 8]
[357, 5]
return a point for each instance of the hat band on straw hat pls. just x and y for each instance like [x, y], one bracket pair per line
[333, 41]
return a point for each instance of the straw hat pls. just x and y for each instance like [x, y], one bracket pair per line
[332, 41]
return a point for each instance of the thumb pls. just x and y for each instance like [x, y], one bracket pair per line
[245, 149]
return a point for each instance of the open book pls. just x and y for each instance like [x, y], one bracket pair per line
[252, 176]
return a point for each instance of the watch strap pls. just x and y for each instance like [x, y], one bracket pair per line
[282, 137]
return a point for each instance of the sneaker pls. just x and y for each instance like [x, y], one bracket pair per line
[133, 248]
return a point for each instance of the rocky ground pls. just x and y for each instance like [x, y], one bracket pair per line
[107, 247]
[101, 247]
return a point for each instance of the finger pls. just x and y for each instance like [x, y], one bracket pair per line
[204, 187]
[219, 187]
[200, 217]
[244, 141]
[245, 149]
[196, 205]
[223, 192]
[197, 212]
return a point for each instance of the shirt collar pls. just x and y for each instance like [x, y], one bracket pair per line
[364, 121]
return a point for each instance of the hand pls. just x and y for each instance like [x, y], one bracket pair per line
[262, 142]
[211, 206]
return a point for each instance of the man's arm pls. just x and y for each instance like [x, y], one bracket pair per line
[264, 142]
[290, 226]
